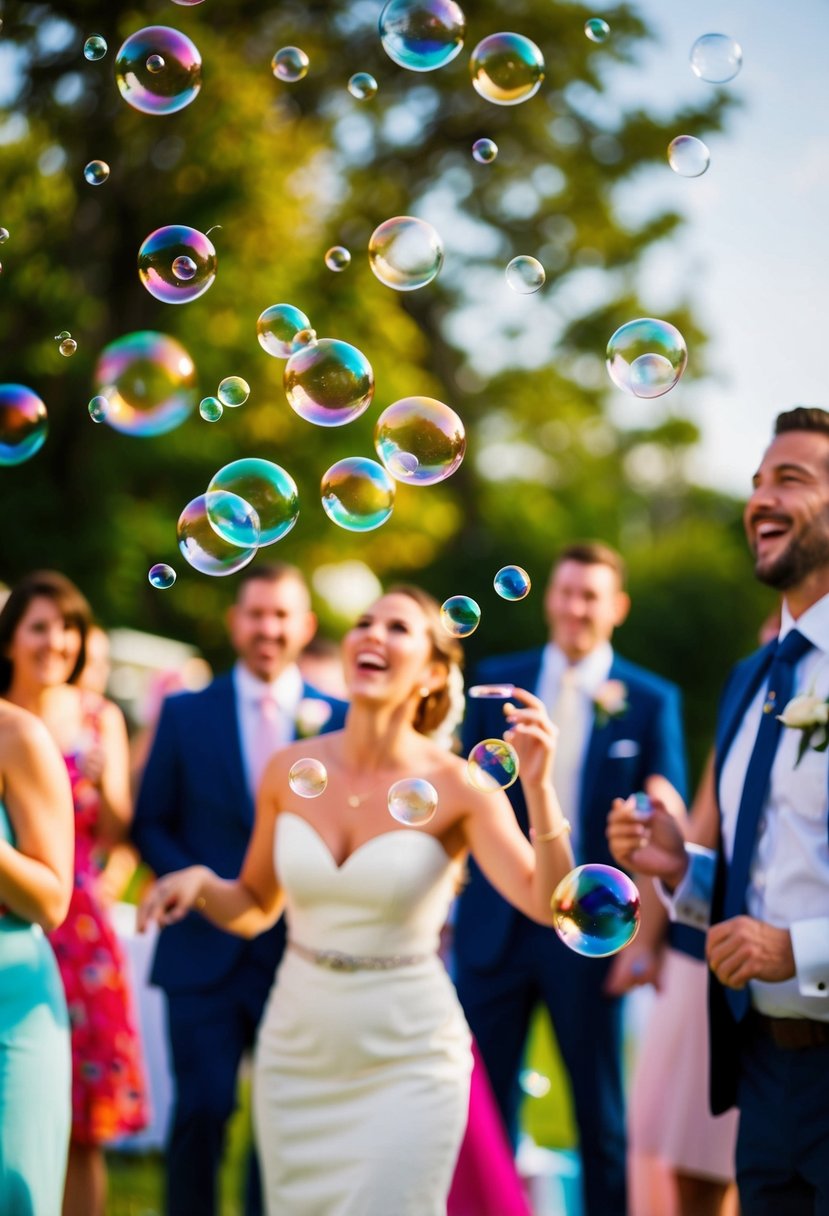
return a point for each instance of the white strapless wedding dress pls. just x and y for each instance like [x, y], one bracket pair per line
[361, 1079]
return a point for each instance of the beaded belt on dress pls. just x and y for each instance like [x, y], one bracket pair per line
[335, 960]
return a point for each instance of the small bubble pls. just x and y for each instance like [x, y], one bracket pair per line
[362, 86]
[492, 765]
[64, 333]
[484, 151]
[422, 35]
[94, 48]
[68, 347]
[405, 253]
[512, 583]
[184, 267]
[211, 409]
[688, 156]
[525, 275]
[716, 58]
[506, 69]
[98, 408]
[596, 29]
[338, 258]
[460, 615]
[357, 494]
[308, 777]
[161, 576]
[596, 910]
[96, 172]
[290, 64]
[4, 235]
[155, 64]
[233, 391]
[413, 801]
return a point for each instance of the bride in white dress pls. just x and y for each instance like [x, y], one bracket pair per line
[363, 1059]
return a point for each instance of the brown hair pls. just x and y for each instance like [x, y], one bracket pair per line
[447, 650]
[802, 418]
[593, 553]
[50, 585]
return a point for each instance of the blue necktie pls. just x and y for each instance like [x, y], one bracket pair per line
[779, 691]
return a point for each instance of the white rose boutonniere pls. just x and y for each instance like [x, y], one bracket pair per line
[610, 701]
[311, 716]
[810, 715]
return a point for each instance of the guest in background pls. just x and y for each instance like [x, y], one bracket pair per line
[43, 628]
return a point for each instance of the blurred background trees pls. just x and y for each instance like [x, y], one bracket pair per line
[288, 170]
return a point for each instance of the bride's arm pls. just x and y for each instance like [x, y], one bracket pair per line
[526, 873]
[247, 905]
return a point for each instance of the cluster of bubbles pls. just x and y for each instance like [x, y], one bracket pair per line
[596, 910]
[158, 70]
[492, 765]
[66, 343]
[412, 801]
[646, 357]
[177, 263]
[308, 777]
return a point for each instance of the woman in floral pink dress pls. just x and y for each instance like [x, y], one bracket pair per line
[43, 627]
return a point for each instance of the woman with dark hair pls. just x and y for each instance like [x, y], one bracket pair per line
[35, 886]
[361, 1081]
[43, 629]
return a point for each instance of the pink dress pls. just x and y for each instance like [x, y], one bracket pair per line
[109, 1096]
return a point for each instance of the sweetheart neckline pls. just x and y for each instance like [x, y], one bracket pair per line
[371, 840]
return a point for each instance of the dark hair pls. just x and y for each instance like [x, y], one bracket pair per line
[50, 585]
[447, 650]
[593, 553]
[269, 572]
[802, 418]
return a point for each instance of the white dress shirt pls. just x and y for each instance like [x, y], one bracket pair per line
[286, 691]
[789, 878]
[588, 674]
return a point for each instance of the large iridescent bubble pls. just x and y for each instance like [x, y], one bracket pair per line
[278, 326]
[413, 801]
[329, 382]
[420, 440]
[176, 263]
[646, 357]
[596, 910]
[268, 488]
[23, 423]
[492, 765]
[507, 69]
[158, 92]
[150, 382]
[405, 253]
[422, 35]
[203, 547]
[460, 615]
[233, 519]
[357, 494]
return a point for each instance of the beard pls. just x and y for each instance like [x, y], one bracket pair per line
[806, 552]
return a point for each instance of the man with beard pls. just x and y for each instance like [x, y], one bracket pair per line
[765, 893]
[196, 805]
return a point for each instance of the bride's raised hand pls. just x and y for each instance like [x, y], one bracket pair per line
[533, 735]
[170, 898]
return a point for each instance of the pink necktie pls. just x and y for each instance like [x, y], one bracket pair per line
[266, 739]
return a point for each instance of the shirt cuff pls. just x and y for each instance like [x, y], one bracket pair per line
[810, 945]
[690, 902]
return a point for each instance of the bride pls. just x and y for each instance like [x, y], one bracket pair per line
[362, 1065]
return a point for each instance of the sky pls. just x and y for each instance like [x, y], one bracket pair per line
[755, 249]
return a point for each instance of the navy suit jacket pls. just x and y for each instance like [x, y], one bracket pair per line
[194, 806]
[648, 739]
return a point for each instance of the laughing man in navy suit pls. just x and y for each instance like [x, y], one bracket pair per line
[622, 733]
[196, 804]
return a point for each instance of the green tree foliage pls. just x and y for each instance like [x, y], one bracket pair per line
[287, 171]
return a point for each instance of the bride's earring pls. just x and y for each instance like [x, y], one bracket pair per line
[425, 691]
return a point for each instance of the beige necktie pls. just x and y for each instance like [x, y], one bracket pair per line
[567, 715]
[267, 738]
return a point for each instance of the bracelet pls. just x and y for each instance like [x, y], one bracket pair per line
[543, 837]
[200, 902]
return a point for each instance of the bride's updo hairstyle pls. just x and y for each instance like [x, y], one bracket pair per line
[434, 709]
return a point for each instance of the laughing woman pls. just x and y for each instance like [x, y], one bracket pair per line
[361, 1084]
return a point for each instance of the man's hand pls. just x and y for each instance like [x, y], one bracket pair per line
[743, 949]
[649, 842]
[633, 966]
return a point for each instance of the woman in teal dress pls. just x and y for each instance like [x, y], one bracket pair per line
[36, 833]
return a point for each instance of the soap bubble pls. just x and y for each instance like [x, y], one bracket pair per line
[188, 2]
[161, 576]
[96, 172]
[155, 63]
[405, 253]
[362, 86]
[484, 151]
[184, 268]
[507, 69]
[688, 156]
[23, 424]
[492, 765]
[94, 48]
[233, 391]
[64, 333]
[278, 326]
[661, 349]
[422, 35]
[98, 408]
[716, 58]
[149, 380]
[267, 488]
[211, 409]
[163, 250]
[68, 347]
[596, 910]
[338, 258]
[420, 440]
[165, 91]
[203, 547]
[233, 519]
[413, 801]
[512, 583]
[491, 692]
[290, 64]
[460, 615]
[329, 382]
[303, 337]
[4, 235]
[525, 275]
[357, 494]
[308, 777]
[596, 29]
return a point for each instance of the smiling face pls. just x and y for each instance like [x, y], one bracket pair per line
[44, 649]
[270, 623]
[787, 516]
[388, 655]
[584, 604]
